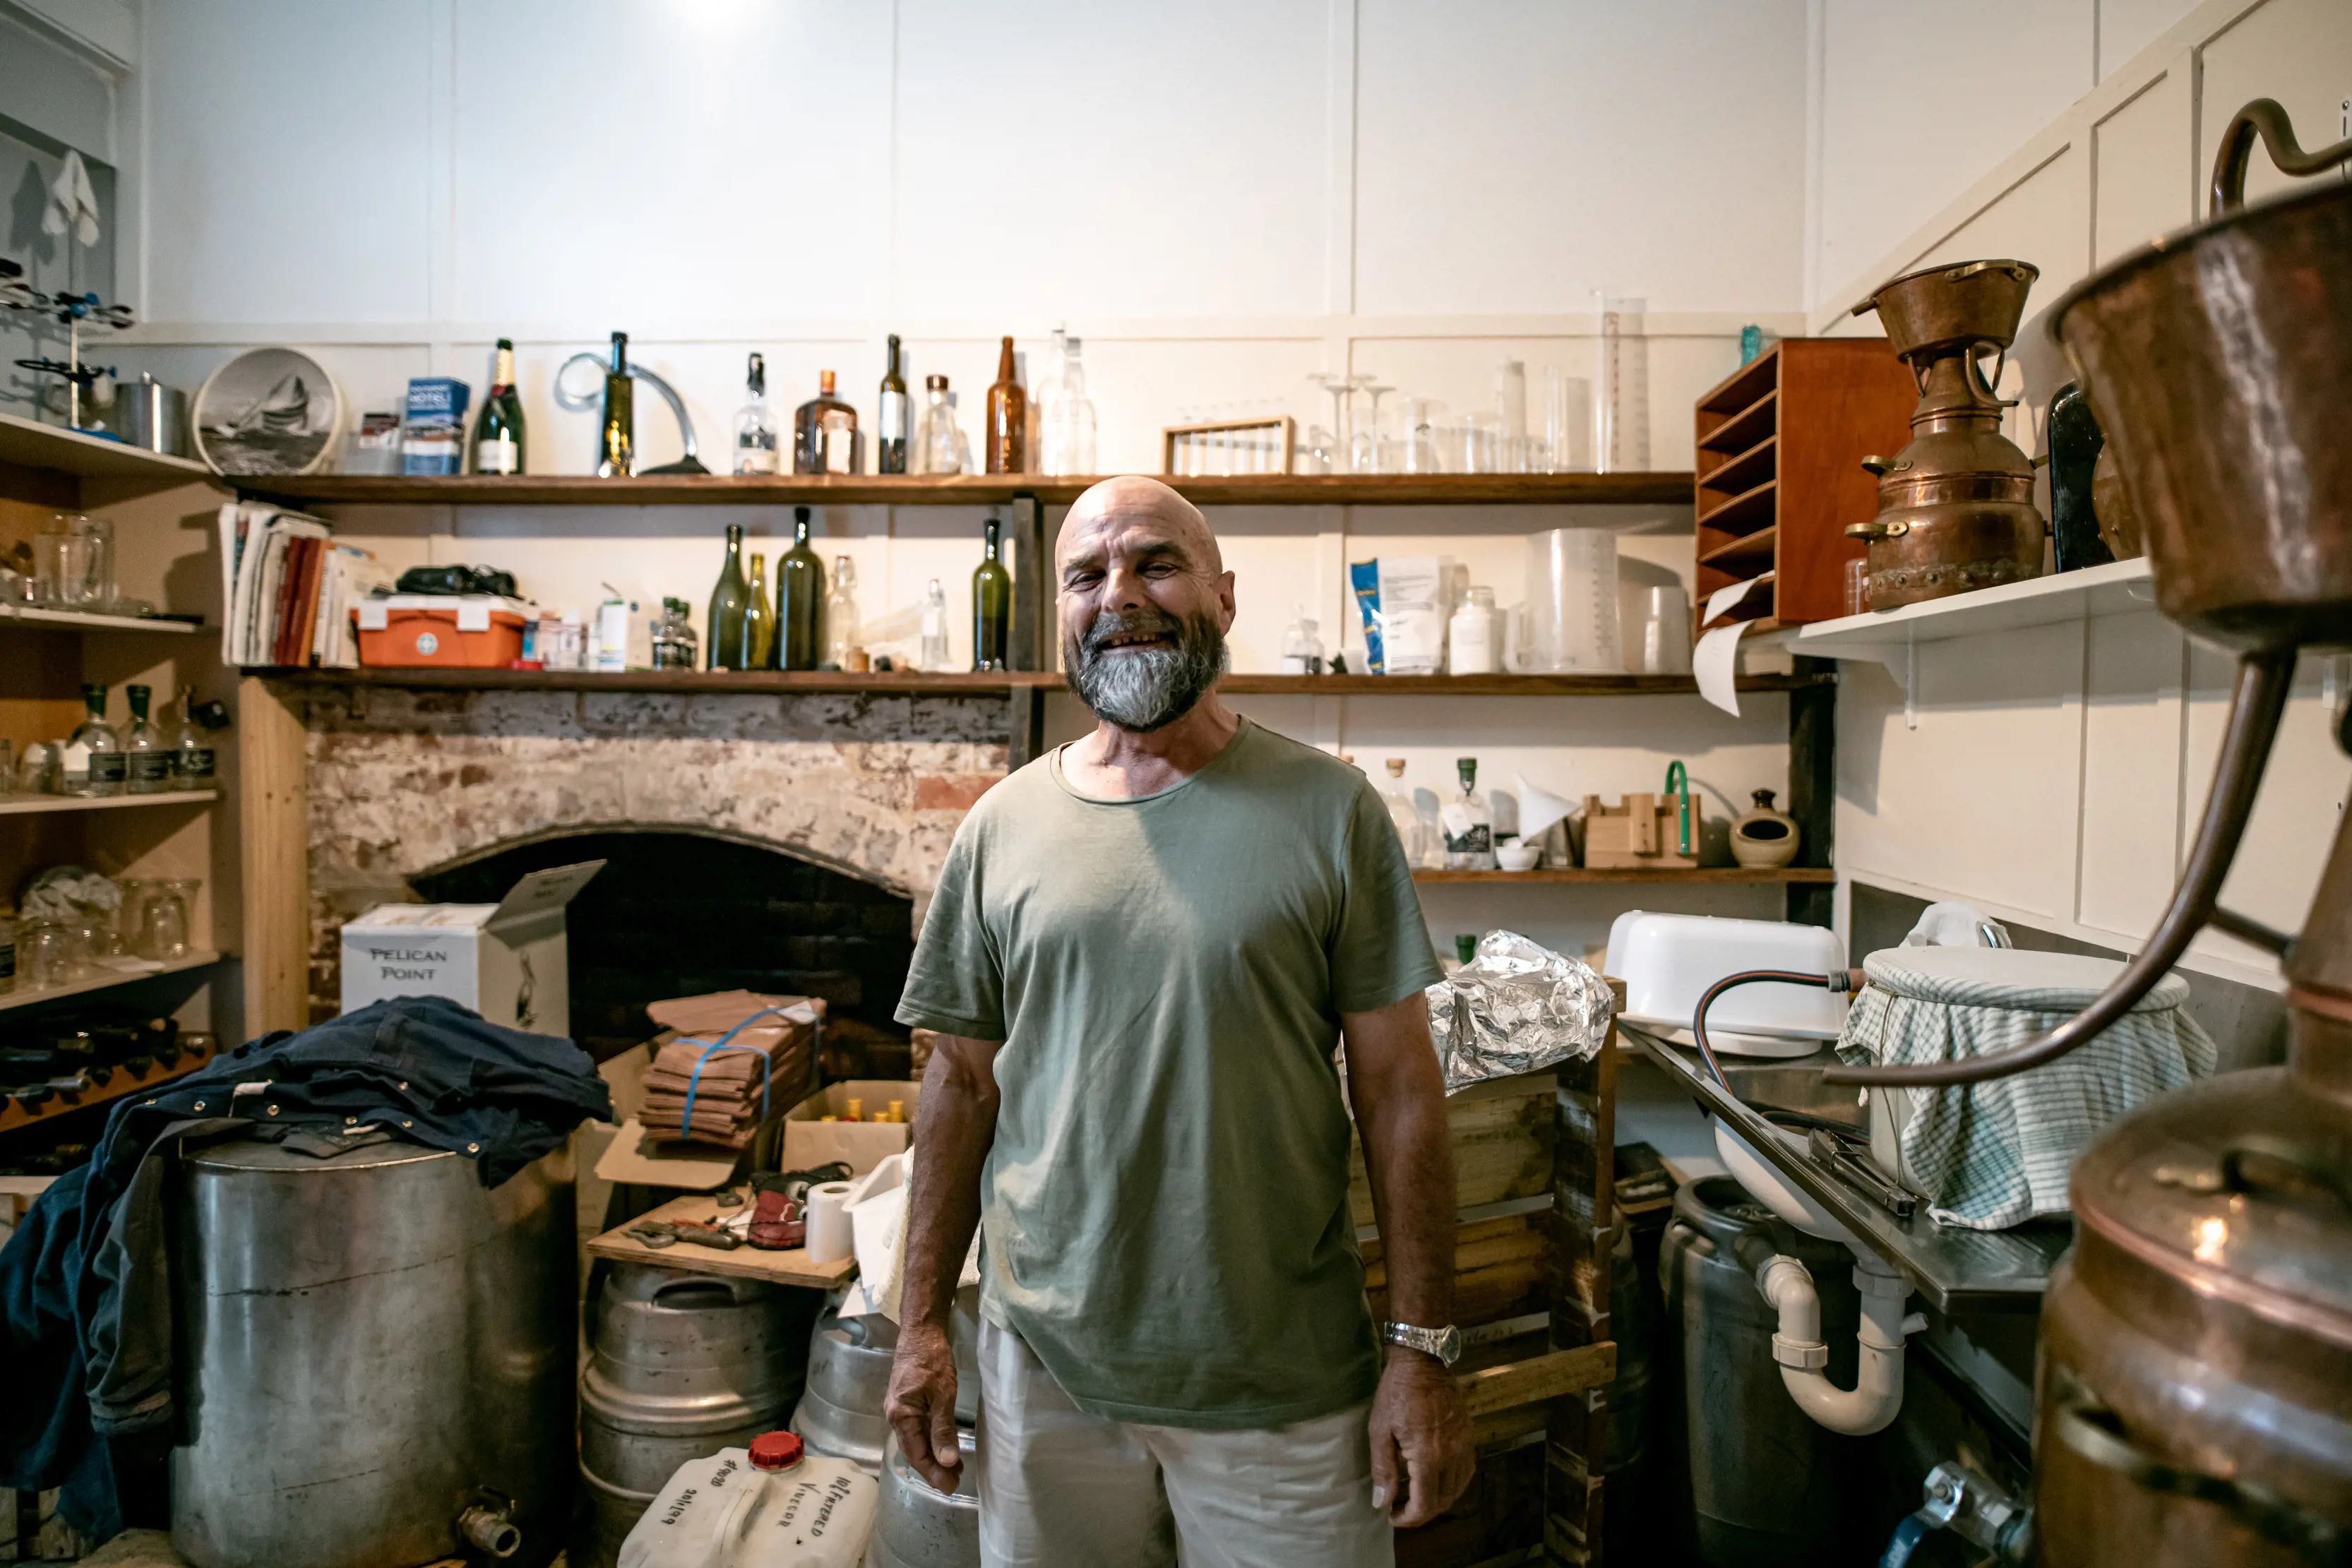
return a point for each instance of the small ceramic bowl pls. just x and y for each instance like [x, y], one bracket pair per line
[1517, 856]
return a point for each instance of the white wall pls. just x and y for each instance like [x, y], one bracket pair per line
[2056, 775]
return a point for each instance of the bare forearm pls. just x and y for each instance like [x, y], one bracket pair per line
[954, 1129]
[1399, 1096]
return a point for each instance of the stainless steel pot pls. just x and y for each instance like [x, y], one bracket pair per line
[682, 1365]
[372, 1345]
[153, 415]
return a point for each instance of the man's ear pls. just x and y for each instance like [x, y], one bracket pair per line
[1225, 602]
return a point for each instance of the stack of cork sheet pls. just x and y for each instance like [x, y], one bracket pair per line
[759, 1071]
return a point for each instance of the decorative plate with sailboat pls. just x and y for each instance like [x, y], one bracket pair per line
[269, 411]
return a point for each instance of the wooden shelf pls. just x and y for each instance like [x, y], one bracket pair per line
[122, 1081]
[83, 620]
[973, 489]
[18, 805]
[28, 443]
[1741, 556]
[1748, 469]
[960, 683]
[1728, 874]
[24, 997]
[1746, 428]
[1743, 513]
[1742, 388]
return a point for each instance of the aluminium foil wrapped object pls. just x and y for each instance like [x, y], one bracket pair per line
[1516, 1008]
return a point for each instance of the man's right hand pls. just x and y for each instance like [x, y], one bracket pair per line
[921, 1404]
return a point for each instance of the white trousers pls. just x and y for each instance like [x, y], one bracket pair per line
[1061, 1489]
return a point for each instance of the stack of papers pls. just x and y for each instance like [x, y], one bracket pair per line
[289, 587]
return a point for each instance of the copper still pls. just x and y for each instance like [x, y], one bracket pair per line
[2195, 1392]
[1955, 505]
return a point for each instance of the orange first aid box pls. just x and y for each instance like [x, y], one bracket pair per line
[471, 631]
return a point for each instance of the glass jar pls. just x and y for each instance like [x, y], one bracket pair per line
[1473, 636]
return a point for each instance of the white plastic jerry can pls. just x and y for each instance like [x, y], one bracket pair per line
[768, 1506]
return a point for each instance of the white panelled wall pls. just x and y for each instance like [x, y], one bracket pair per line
[2056, 775]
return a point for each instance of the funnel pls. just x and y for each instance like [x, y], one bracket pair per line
[1539, 807]
[1941, 308]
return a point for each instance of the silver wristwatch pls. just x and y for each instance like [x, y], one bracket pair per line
[1444, 1343]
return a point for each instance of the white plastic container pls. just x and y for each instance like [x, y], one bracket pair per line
[787, 1509]
[1668, 961]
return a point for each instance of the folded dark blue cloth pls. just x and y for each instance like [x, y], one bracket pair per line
[85, 1282]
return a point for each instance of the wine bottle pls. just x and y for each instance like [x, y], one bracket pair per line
[800, 599]
[759, 646]
[755, 427]
[890, 418]
[497, 431]
[618, 457]
[1008, 419]
[991, 592]
[727, 606]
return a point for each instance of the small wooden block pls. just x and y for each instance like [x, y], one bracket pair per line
[792, 1268]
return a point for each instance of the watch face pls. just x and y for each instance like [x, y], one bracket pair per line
[1449, 1345]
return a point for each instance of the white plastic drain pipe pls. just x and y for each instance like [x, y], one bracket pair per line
[1877, 1393]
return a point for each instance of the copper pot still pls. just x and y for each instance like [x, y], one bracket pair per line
[2195, 1392]
[1955, 505]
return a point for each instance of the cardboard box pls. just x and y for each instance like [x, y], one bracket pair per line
[810, 1141]
[508, 961]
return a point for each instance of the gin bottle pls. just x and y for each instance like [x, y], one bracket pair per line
[193, 757]
[1468, 824]
[94, 763]
[755, 427]
[148, 756]
[1405, 815]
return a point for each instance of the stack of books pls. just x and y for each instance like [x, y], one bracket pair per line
[289, 587]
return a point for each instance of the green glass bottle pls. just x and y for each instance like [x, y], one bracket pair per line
[800, 599]
[728, 603]
[992, 603]
[618, 455]
[498, 433]
[759, 648]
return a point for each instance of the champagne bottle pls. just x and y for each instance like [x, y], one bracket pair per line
[619, 456]
[890, 430]
[727, 606]
[497, 431]
[991, 592]
[800, 599]
[759, 646]
[1008, 419]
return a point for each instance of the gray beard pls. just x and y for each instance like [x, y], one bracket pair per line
[1151, 689]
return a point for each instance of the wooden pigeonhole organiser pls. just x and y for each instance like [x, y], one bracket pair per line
[1533, 1157]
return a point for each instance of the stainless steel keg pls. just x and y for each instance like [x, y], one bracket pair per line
[840, 1413]
[680, 1366]
[919, 1526]
[372, 1345]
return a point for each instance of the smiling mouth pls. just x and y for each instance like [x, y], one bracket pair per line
[1121, 640]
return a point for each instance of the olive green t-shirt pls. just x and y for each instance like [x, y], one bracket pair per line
[1164, 1211]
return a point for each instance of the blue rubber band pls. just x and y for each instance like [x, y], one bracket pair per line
[767, 1065]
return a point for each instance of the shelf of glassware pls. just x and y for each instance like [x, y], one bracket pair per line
[18, 804]
[28, 443]
[108, 979]
[972, 489]
[87, 620]
[974, 682]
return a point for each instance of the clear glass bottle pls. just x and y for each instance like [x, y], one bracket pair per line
[755, 427]
[1069, 424]
[94, 762]
[1405, 815]
[195, 764]
[890, 416]
[673, 637]
[147, 756]
[937, 446]
[1473, 636]
[841, 614]
[825, 434]
[1302, 649]
[1468, 824]
[992, 602]
[934, 654]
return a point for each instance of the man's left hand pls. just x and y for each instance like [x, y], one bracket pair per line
[1422, 1458]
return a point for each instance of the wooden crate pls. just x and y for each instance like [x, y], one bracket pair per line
[1502, 1136]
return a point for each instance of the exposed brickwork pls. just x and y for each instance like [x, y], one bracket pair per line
[409, 782]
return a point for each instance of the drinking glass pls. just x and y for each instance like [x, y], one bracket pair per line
[1482, 442]
[135, 890]
[97, 586]
[1419, 437]
[163, 923]
[1365, 456]
[44, 953]
[1568, 421]
[36, 770]
[61, 567]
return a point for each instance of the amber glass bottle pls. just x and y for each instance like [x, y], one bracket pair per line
[1008, 419]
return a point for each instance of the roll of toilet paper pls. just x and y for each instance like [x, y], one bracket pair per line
[828, 1221]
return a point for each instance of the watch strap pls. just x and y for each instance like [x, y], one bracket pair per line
[1444, 1343]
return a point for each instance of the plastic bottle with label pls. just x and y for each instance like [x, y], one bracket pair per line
[771, 1505]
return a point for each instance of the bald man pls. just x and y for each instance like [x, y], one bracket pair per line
[1143, 948]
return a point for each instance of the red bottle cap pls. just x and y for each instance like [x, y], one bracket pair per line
[775, 1450]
